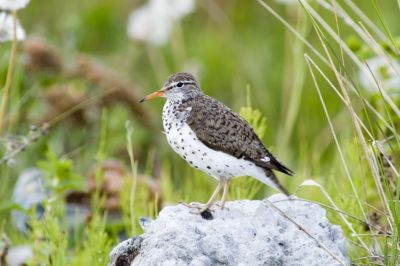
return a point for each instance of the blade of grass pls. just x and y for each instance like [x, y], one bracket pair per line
[330, 83]
[385, 26]
[315, 51]
[364, 18]
[317, 18]
[133, 164]
[373, 167]
[341, 155]
[329, 207]
[293, 88]
[10, 74]
[293, 30]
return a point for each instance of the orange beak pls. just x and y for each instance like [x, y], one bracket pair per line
[159, 93]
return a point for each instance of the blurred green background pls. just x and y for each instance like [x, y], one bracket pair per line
[242, 56]
[234, 43]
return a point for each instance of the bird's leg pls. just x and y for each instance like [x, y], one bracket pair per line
[204, 207]
[227, 182]
[211, 201]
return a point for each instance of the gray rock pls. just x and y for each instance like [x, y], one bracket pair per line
[125, 252]
[19, 255]
[246, 233]
[29, 192]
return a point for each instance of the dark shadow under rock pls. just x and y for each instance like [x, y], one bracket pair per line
[125, 252]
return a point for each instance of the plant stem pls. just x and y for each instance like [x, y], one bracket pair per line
[129, 132]
[10, 73]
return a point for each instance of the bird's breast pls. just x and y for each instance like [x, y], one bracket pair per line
[172, 117]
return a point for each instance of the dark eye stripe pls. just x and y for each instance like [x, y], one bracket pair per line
[188, 82]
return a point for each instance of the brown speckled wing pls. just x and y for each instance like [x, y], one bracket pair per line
[219, 128]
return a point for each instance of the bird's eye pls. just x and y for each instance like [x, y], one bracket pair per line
[179, 85]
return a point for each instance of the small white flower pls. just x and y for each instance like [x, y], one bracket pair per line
[13, 4]
[175, 9]
[7, 28]
[382, 72]
[144, 26]
[153, 22]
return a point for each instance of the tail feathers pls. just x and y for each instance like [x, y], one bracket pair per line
[273, 163]
[280, 167]
[270, 179]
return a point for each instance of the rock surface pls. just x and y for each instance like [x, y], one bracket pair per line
[246, 233]
[19, 256]
[29, 192]
[125, 252]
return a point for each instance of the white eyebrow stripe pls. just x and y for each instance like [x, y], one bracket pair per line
[173, 84]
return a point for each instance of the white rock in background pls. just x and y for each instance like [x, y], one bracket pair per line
[29, 192]
[246, 233]
[19, 255]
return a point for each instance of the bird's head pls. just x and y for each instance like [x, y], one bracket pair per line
[179, 86]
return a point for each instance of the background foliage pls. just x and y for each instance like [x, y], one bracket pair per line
[77, 54]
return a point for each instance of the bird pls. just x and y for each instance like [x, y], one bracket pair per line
[213, 138]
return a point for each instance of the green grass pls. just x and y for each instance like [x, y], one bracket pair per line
[291, 71]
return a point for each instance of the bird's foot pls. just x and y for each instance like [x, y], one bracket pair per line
[198, 207]
[192, 205]
[221, 205]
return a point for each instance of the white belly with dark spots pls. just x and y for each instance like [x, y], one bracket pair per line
[217, 164]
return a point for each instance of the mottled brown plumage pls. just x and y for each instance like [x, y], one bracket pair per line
[219, 128]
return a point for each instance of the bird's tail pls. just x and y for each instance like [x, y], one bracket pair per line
[280, 167]
[270, 179]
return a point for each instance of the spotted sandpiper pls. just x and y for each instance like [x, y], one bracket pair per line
[213, 138]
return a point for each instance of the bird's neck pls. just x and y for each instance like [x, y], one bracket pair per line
[180, 100]
[183, 97]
